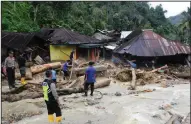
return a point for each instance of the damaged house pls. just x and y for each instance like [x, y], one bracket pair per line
[22, 42]
[146, 45]
[110, 41]
[63, 41]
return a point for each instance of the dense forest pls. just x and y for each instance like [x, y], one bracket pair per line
[86, 17]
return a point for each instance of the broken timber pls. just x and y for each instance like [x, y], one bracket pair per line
[133, 83]
[81, 71]
[66, 91]
[41, 68]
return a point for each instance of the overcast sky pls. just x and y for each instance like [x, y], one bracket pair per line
[173, 8]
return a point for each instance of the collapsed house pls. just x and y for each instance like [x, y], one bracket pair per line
[145, 46]
[63, 41]
[23, 42]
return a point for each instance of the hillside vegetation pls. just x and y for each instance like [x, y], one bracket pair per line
[86, 17]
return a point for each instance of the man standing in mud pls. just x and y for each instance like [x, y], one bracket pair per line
[22, 62]
[90, 78]
[9, 66]
[51, 98]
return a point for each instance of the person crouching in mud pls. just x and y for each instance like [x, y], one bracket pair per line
[90, 78]
[51, 98]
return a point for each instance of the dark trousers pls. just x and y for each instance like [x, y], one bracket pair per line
[54, 80]
[65, 74]
[86, 86]
[53, 107]
[11, 76]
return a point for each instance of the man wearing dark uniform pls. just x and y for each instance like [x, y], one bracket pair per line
[9, 66]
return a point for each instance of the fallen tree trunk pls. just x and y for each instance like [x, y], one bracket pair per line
[83, 65]
[14, 96]
[41, 68]
[28, 75]
[155, 70]
[133, 83]
[181, 75]
[66, 91]
[19, 88]
[82, 70]
[175, 119]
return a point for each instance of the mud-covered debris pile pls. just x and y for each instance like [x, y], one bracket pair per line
[27, 92]
[142, 77]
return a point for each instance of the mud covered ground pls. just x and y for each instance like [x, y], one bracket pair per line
[118, 106]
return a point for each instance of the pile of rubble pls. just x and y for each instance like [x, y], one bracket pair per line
[159, 75]
[104, 69]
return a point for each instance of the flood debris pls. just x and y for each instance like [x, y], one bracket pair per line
[118, 94]
[41, 68]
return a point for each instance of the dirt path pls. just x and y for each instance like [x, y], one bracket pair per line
[144, 108]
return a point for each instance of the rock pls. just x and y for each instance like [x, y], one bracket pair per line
[105, 93]
[118, 94]
[91, 102]
[173, 103]
[165, 107]
[156, 116]
[89, 122]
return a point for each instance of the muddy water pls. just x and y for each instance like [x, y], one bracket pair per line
[126, 109]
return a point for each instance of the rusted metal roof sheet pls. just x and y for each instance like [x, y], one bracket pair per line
[149, 43]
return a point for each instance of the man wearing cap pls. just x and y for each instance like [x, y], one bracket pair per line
[9, 65]
[90, 78]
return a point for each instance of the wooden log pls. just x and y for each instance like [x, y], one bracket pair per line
[66, 91]
[175, 119]
[41, 68]
[181, 75]
[102, 83]
[155, 70]
[133, 83]
[28, 75]
[85, 64]
[82, 70]
[14, 90]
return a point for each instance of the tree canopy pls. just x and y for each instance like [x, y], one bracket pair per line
[85, 17]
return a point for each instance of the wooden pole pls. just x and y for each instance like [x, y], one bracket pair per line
[88, 54]
[71, 70]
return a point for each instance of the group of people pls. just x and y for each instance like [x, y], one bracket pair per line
[51, 96]
[49, 83]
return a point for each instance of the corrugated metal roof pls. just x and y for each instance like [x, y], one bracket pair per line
[148, 43]
[124, 34]
[110, 47]
[15, 40]
[102, 37]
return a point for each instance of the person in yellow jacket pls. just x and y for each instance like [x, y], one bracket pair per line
[51, 98]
